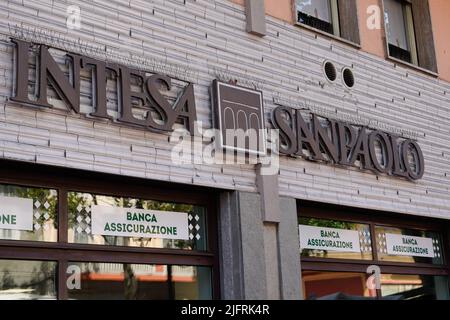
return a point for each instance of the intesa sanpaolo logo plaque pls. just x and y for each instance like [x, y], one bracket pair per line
[239, 116]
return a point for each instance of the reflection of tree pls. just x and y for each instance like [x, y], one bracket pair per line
[130, 282]
[7, 280]
[75, 199]
[40, 278]
[43, 196]
[328, 223]
[43, 280]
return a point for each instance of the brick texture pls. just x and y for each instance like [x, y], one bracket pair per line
[198, 41]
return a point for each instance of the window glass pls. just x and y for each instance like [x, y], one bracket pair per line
[332, 285]
[28, 213]
[27, 280]
[403, 245]
[319, 9]
[396, 24]
[117, 281]
[414, 287]
[192, 283]
[333, 240]
[165, 229]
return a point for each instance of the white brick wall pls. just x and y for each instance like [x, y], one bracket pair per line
[206, 36]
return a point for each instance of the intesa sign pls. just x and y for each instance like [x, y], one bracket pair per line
[68, 89]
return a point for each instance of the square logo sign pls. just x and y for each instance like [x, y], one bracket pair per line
[239, 116]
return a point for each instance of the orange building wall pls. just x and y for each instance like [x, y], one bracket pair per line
[440, 17]
[373, 41]
[281, 9]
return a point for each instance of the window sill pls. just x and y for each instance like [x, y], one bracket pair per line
[412, 66]
[328, 35]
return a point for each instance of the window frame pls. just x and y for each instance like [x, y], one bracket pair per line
[411, 35]
[64, 180]
[408, 25]
[373, 218]
[334, 15]
[336, 22]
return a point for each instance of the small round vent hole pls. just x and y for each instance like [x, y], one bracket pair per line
[330, 71]
[348, 77]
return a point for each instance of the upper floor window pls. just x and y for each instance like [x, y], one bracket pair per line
[318, 14]
[400, 30]
[335, 17]
[409, 32]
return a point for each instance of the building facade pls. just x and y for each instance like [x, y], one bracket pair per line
[96, 201]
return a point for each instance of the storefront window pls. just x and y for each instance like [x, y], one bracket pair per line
[370, 255]
[330, 285]
[107, 220]
[410, 246]
[191, 283]
[117, 281]
[414, 287]
[152, 244]
[322, 238]
[27, 280]
[28, 213]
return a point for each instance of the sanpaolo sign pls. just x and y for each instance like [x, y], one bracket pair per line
[161, 115]
[340, 143]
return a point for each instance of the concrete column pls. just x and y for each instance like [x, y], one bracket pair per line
[256, 17]
[259, 260]
[230, 247]
[272, 261]
[289, 251]
[241, 240]
[253, 253]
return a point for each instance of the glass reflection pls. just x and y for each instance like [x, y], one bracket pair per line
[43, 213]
[414, 287]
[191, 283]
[319, 9]
[27, 280]
[328, 285]
[80, 218]
[396, 24]
[117, 281]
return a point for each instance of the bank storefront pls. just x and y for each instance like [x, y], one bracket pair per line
[72, 235]
[371, 254]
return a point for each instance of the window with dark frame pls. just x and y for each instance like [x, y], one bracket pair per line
[409, 32]
[400, 30]
[319, 14]
[338, 18]
[35, 263]
[334, 274]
